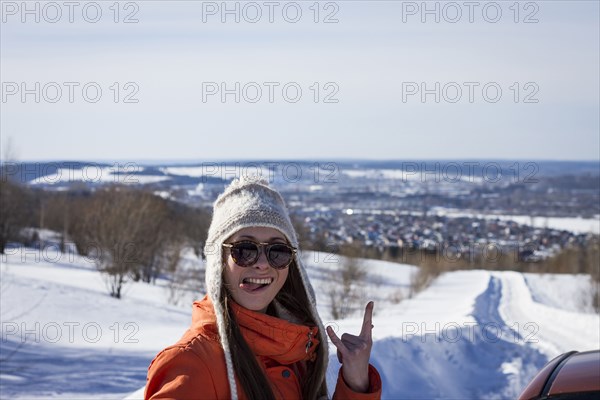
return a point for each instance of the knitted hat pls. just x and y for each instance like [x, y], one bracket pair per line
[247, 202]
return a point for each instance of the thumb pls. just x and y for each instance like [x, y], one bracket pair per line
[336, 342]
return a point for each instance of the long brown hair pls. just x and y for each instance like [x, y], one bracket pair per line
[252, 380]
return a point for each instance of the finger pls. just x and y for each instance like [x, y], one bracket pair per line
[367, 325]
[356, 345]
[337, 342]
[347, 338]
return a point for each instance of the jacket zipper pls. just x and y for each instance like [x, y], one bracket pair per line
[309, 343]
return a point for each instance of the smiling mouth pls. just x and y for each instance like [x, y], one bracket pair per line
[255, 284]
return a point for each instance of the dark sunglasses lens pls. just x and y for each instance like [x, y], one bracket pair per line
[244, 254]
[280, 255]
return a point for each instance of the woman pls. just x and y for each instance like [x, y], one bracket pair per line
[257, 333]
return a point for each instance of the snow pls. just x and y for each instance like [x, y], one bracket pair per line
[219, 170]
[416, 173]
[385, 280]
[575, 225]
[126, 174]
[543, 323]
[195, 172]
[575, 291]
[470, 335]
[398, 174]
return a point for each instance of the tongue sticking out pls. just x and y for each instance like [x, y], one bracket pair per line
[250, 286]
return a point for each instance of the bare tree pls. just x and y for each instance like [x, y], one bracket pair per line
[58, 214]
[193, 224]
[346, 288]
[121, 229]
[184, 276]
[15, 203]
[423, 277]
[9, 151]
[154, 240]
[14, 198]
[397, 296]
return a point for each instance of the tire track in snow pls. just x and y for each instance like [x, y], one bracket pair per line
[489, 360]
[555, 330]
[519, 360]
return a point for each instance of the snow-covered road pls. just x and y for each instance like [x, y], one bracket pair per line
[552, 330]
[470, 335]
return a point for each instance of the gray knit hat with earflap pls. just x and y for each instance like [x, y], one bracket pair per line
[248, 202]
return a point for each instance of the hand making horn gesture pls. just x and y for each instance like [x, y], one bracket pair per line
[354, 352]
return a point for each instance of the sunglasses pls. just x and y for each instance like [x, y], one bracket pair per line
[246, 253]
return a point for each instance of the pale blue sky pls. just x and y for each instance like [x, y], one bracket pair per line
[369, 56]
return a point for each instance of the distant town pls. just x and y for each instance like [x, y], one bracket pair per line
[464, 211]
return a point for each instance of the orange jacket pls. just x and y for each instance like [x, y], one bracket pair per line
[194, 368]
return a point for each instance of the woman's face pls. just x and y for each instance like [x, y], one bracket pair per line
[242, 282]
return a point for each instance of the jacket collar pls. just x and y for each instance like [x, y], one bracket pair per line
[283, 341]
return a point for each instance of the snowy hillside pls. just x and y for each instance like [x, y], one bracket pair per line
[471, 335]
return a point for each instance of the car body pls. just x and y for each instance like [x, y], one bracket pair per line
[573, 375]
